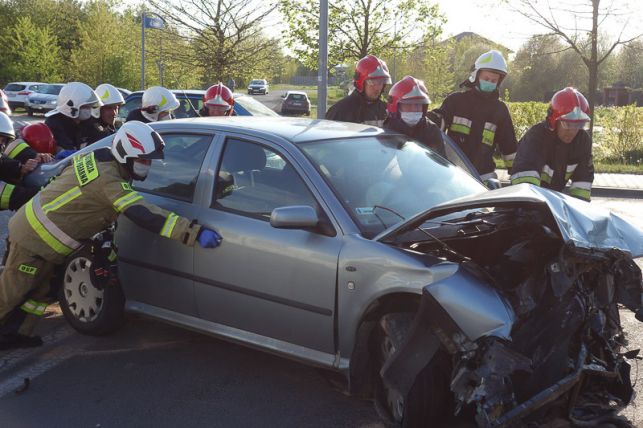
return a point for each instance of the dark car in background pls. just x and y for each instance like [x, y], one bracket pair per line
[44, 100]
[258, 86]
[295, 102]
[191, 101]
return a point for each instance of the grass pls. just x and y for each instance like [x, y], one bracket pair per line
[600, 167]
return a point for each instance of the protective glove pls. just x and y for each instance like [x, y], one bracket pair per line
[64, 153]
[209, 238]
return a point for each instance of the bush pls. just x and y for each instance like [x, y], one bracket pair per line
[618, 131]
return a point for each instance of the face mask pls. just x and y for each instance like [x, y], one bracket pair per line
[140, 169]
[411, 118]
[487, 86]
[85, 113]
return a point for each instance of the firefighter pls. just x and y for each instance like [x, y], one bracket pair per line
[87, 197]
[157, 104]
[408, 101]
[558, 149]
[364, 104]
[37, 142]
[477, 120]
[217, 101]
[12, 194]
[73, 106]
[103, 120]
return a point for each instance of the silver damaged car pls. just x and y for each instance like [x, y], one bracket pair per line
[360, 251]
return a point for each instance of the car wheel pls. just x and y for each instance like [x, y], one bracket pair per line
[429, 399]
[87, 308]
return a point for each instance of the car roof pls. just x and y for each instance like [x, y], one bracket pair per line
[25, 83]
[297, 130]
[296, 93]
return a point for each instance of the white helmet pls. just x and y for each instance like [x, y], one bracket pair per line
[4, 104]
[6, 127]
[72, 97]
[492, 60]
[157, 99]
[136, 140]
[108, 95]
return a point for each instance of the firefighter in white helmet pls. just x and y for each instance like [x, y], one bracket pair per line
[86, 198]
[73, 106]
[103, 120]
[157, 104]
[477, 120]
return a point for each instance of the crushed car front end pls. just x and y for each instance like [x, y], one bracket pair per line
[530, 320]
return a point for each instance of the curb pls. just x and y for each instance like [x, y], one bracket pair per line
[607, 192]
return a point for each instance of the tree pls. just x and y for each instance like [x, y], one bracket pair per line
[357, 28]
[225, 35]
[583, 38]
[35, 54]
[630, 64]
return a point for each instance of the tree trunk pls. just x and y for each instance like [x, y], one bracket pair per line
[593, 65]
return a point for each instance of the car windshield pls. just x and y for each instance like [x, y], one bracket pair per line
[51, 89]
[254, 107]
[383, 180]
[257, 82]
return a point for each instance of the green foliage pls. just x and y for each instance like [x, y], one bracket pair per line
[526, 114]
[35, 52]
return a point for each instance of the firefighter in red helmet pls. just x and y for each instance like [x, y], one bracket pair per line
[558, 149]
[408, 101]
[364, 104]
[218, 101]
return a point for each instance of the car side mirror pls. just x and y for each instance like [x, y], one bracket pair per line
[294, 217]
[492, 183]
[283, 95]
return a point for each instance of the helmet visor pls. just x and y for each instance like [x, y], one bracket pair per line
[574, 124]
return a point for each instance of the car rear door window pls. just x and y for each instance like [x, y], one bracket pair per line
[175, 176]
[253, 180]
[14, 87]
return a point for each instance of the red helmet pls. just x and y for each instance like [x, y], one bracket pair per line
[409, 90]
[39, 137]
[370, 67]
[219, 95]
[570, 107]
[4, 103]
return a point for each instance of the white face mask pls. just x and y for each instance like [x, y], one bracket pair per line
[84, 113]
[411, 118]
[141, 169]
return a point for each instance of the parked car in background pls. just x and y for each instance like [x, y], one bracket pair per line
[191, 101]
[44, 100]
[295, 102]
[17, 92]
[258, 86]
[342, 240]
[124, 92]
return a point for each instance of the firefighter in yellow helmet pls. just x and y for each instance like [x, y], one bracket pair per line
[87, 197]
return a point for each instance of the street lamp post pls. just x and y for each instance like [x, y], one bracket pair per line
[322, 76]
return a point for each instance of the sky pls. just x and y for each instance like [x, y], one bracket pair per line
[495, 20]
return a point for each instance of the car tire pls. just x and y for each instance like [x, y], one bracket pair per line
[88, 309]
[430, 398]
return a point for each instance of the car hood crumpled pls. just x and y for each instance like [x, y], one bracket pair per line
[579, 223]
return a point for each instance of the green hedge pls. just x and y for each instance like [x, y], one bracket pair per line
[618, 131]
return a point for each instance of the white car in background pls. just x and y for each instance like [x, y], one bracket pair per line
[44, 100]
[17, 92]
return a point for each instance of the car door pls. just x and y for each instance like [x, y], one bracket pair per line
[275, 283]
[156, 270]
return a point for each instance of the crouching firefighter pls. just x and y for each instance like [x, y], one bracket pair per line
[86, 198]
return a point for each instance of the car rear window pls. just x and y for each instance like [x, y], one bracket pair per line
[14, 87]
[297, 97]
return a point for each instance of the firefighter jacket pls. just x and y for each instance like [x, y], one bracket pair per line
[12, 194]
[94, 129]
[357, 109]
[425, 131]
[546, 161]
[137, 115]
[87, 197]
[67, 133]
[20, 151]
[478, 122]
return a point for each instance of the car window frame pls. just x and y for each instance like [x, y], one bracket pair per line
[196, 195]
[324, 211]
